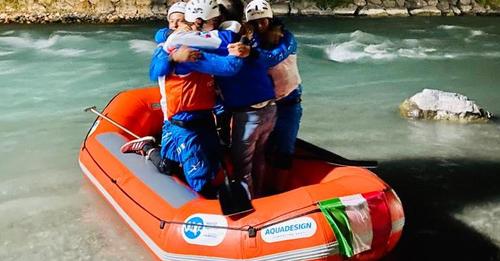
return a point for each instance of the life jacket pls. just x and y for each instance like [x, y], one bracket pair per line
[190, 92]
[285, 76]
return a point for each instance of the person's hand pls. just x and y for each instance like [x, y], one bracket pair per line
[247, 30]
[239, 49]
[274, 36]
[183, 27]
[185, 54]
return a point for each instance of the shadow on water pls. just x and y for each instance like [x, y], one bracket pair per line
[432, 191]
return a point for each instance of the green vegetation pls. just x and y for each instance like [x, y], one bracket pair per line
[491, 3]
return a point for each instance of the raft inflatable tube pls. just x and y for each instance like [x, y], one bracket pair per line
[329, 212]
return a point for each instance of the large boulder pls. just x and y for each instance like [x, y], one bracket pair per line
[439, 105]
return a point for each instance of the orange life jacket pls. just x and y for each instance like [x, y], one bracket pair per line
[190, 92]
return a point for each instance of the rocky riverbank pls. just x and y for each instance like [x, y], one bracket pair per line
[115, 11]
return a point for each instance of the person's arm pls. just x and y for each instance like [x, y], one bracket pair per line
[162, 35]
[209, 40]
[216, 65]
[160, 64]
[270, 58]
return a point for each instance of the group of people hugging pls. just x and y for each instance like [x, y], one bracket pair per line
[228, 85]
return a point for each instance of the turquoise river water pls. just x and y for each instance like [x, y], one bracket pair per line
[355, 73]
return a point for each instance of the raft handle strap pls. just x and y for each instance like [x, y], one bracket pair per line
[252, 232]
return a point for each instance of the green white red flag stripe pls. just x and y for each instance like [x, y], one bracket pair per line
[360, 222]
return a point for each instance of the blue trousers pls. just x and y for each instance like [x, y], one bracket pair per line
[196, 149]
[282, 139]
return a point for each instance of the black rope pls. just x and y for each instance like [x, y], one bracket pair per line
[162, 222]
[252, 230]
[246, 228]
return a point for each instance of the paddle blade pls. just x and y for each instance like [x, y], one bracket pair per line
[234, 198]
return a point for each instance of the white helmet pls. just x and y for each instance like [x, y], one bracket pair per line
[258, 9]
[204, 9]
[179, 7]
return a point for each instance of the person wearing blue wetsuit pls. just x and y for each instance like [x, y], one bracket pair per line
[188, 97]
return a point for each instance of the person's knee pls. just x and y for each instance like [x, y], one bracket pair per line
[168, 167]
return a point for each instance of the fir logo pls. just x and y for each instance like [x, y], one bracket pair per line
[193, 228]
[204, 229]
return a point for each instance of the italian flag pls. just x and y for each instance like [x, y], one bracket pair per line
[360, 222]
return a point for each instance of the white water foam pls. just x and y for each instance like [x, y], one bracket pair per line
[4, 53]
[65, 52]
[451, 27]
[10, 32]
[361, 46]
[46, 46]
[364, 47]
[142, 46]
[26, 41]
[483, 218]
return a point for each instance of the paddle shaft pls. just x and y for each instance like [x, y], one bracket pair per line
[93, 110]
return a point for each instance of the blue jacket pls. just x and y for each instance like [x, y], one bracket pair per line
[251, 84]
[209, 63]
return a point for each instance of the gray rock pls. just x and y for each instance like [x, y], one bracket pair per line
[360, 2]
[375, 2]
[456, 10]
[464, 2]
[159, 10]
[400, 3]
[326, 12]
[344, 11]
[104, 7]
[443, 6]
[440, 105]
[389, 3]
[426, 11]
[478, 9]
[432, 2]
[466, 9]
[495, 12]
[281, 9]
[373, 12]
[313, 10]
[397, 11]
[415, 4]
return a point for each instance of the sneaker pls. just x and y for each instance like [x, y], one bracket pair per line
[137, 145]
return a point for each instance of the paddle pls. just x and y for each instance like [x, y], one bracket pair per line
[233, 197]
[319, 153]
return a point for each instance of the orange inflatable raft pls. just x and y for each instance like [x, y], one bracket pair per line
[329, 212]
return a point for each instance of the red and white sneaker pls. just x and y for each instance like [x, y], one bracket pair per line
[137, 145]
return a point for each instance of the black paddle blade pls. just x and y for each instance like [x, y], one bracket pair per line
[313, 152]
[234, 198]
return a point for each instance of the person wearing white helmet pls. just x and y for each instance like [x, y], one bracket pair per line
[175, 15]
[249, 94]
[188, 97]
[287, 87]
[259, 13]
